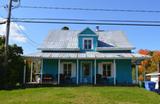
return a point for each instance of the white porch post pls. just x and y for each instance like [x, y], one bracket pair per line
[136, 73]
[77, 71]
[31, 71]
[114, 64]
[24, 73]
[95, 68]
[42, 71]
[59, 65]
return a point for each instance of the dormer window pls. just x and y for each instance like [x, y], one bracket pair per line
[87, 43]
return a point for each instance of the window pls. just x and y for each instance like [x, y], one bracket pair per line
[87, 44]
[106, 70]
[67, 68]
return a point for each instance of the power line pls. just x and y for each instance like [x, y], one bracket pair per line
[90, 9]
[86, 20]
[27, 36]
[87, 23]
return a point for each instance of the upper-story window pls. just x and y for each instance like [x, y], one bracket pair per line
[87, 43]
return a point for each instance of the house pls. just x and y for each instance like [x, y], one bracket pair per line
[155, 78]
[85, 57]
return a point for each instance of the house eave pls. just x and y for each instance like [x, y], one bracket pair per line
[89, 55]
[114, 48]
[59, 49]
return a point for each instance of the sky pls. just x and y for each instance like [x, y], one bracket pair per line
[30, 36]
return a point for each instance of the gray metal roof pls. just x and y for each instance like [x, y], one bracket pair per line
[86, 55]
[68, 40]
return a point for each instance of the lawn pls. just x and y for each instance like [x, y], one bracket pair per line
[79, 95]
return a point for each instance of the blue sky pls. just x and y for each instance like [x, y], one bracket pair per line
[140, 37]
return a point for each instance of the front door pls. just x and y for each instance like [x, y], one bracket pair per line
[86, 76]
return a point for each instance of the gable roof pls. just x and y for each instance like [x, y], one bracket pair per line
[87, 31]
[67, 40]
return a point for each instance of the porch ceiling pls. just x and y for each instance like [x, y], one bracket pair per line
[87, 55]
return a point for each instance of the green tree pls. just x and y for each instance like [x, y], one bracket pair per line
[11, 74]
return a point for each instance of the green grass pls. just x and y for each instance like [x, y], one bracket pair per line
[80, 95]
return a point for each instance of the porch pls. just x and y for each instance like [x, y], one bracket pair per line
[63, 71]
[81, 68]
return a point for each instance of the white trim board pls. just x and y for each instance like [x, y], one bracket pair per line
[100, 68]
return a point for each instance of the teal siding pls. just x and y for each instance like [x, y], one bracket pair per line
[87, 31]
[50, 66]
[124, 72]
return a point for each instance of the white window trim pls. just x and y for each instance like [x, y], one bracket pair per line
[91, 43]
[62, 66]
[112, 69]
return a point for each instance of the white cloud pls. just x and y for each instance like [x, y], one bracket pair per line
[16, 34]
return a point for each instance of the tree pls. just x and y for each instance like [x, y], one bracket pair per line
[149, 65]
[11, 74]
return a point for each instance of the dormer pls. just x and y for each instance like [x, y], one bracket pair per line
[87, 40]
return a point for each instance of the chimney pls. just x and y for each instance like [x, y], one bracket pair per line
[97, 28]
[65, 28]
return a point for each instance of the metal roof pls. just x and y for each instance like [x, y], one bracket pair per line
[86, 55]
[67, 40]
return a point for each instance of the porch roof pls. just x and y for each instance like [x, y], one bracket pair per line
[86, 55]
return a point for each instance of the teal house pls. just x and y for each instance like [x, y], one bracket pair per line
[84, 57]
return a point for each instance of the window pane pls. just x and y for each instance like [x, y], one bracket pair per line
[109, 66]
[69, 69]
[69, 66]
[109, 69]
[65, 66]
[109, 73]
[104, 70]
[85, 46]
[89, 46]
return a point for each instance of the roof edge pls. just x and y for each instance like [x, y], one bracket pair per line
[59, 49]
[114, 48]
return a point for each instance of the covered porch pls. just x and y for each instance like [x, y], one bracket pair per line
[81, 68]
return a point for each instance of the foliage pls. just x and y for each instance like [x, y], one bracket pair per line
[11, 74]
[149, 65]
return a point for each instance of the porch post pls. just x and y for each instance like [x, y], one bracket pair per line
[114, 63]
[77, 71]
[42, 71]
[31, 71]
[59, 65]
[24, 73]
[136, 73]
[95, 68]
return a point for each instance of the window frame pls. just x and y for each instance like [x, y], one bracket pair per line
[67, 68]
[84, 39]
[111, 65]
